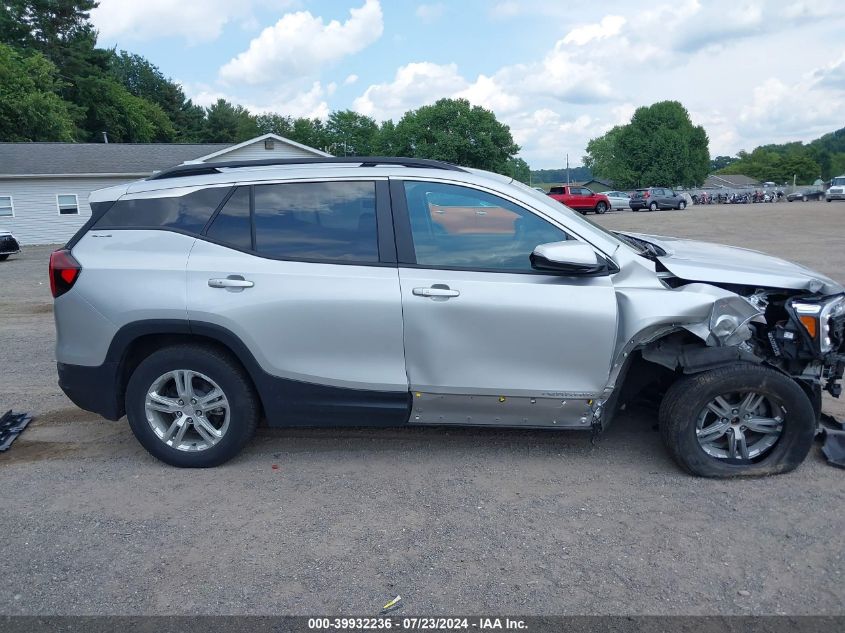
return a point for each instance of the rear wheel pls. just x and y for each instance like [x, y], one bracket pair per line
[191, 406]
[3, 258]
[652, 206]
[804, 199]
[735, 421]
[682, 205]
[601, 207]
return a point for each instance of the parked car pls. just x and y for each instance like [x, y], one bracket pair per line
[836, 190]
[389, 291]
[8, 245]
[805, 195]
[654, 198]
[618, 199]
[580, 198]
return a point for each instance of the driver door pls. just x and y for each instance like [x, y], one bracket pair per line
[478, 320]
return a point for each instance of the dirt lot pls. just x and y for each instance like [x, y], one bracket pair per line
[455, 521]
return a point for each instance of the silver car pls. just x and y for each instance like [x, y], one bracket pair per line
[385, 291]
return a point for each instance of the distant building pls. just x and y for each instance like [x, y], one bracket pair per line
[598, 186]
[730, 181]
[44, 187]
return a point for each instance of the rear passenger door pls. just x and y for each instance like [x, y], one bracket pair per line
[305, 275]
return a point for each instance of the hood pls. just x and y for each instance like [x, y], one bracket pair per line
[716, 263]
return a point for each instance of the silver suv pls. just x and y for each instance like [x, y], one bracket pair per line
[384, 291]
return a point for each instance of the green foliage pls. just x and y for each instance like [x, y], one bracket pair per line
[30, 109]
[110, 108]
[351, 134]
[660, 146]
[452, 130]
[227, 123]
[822, 158]
[720, 162]
[519, 170]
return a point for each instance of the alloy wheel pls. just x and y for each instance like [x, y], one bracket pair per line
[740, 426]
[187, 410]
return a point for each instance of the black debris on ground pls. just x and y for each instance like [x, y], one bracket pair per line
[832, 434]
[12, 425]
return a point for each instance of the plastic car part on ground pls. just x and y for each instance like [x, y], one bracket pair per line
[833, 438]
[12, 425]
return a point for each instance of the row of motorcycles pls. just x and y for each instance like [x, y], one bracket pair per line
[738, 198]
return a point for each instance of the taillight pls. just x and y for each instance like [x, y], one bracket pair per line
[64, 271]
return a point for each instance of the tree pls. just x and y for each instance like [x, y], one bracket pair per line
[309, 132]
[454, 131]
[660, 146]
[227, 123]
[351, 134]
[519, 170]
[273, 123]
[720, 162]
[110, 108]
[776, 163]
[30, 109]
[144, 80]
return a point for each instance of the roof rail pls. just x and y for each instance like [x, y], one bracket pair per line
[199, 169]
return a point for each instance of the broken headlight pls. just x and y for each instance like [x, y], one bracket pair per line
[823, 321]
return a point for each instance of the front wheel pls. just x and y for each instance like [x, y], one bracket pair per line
[3, 258]
[682, 205]
[601, 207]
[191, 406]
[737, 421]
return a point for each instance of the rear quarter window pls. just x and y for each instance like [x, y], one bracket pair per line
[189, 212]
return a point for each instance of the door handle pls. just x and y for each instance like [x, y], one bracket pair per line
[232, 281]
[437, 290]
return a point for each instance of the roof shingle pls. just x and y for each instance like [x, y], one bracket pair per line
[17, 159]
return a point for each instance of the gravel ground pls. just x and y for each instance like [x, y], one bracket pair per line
[454, 521]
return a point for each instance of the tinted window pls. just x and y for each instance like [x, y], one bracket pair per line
[189, 212]
[466, 228]
[232, 225]
[329, 221]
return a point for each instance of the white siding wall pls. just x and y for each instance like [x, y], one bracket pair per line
[256, 151]
[37, 219]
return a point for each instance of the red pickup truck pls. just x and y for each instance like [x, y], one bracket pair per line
[580, 198]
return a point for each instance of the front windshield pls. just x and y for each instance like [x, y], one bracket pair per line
[838, 182]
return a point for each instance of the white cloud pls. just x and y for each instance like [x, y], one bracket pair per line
[414, 85]
[300, 43]
[192, 20]
[351, 79]
[610, 26]
[430, 12]
[832, 75]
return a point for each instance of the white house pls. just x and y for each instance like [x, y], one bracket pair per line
[44, 187]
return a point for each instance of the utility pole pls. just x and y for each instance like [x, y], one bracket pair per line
[567, 170]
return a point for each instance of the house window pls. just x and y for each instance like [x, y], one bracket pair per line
[6, 208]
[68, 204]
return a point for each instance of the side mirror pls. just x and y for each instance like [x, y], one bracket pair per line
[570, 258]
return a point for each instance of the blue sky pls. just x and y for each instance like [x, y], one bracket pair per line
[559, 73]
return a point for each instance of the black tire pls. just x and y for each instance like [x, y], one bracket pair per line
[682, 205]
[3, 258]
[601, 208]
[652, 206]
[222, 369]
[687, 397]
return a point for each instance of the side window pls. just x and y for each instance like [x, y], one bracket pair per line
[232, 225]
[68, 204]
[188, 212]
[325, 221]
[7, 210]
[456, 226]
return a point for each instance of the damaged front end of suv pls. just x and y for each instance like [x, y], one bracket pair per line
[745, 330]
